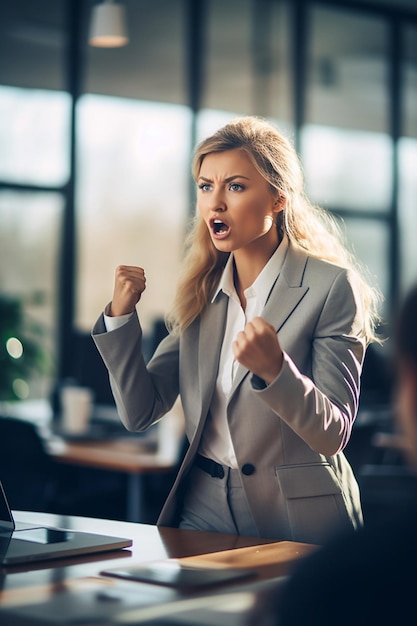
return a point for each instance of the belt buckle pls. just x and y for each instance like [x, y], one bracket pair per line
[217, 470]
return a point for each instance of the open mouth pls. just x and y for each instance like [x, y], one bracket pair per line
[219, 228]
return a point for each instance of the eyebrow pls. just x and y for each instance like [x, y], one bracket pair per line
[226, 180]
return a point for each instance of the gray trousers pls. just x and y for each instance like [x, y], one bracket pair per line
[217, 504]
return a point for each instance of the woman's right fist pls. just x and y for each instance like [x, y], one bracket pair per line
[129, 284]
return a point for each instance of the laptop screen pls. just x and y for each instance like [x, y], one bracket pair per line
[6, 519]
[38, 535]
[23, 542]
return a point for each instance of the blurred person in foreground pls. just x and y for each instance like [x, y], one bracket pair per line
[369, 577]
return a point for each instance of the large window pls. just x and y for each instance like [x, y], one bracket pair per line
[132, 200]
[34, 140]
[126, 196]
[133, 161]
[34, 136]
[346, 147]
[408, 164]
[34, 172]
[30, 232]
[247, 67]
[348, 169]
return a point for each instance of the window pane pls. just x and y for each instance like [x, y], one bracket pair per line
[408, 165]
[29, 248]
[151, 67]
[408, 211]
[347, 169]
[208, 121]
[348, 71]
[410, 82]
[132, 200]
[34, 136]
[370, 242]
[346, 152]
[33, 42]
[247, 65]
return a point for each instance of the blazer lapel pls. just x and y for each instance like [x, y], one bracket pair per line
[211, 330]
[288, 290]
[285, 295]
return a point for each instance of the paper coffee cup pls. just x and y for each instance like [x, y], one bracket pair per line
[76, 407]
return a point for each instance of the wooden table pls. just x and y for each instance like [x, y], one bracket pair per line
[51, 590]
[128, 456]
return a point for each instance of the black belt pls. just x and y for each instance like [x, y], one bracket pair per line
[210, 467]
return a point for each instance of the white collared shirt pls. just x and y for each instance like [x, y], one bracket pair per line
[216, 442]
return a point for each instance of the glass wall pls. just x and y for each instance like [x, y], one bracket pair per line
[132, 200]
[34, 171]
[133, 147]
[30, 233]
[408, 164]
[153, 66]
[346, 146]
[247, 66]
[33, 40]
[34, 149]
[134, 128]
[34, 133]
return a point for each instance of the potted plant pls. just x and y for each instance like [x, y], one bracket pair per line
[21, 355]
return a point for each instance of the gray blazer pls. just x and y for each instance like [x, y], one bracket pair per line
[290, 433]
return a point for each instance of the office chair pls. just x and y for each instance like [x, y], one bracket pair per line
[26, 470]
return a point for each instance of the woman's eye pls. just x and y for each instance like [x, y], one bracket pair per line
[204, 187]
[236, 187]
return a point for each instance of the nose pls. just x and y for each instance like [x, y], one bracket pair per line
[216, 201]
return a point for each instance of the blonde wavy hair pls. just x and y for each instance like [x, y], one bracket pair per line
[307, 226]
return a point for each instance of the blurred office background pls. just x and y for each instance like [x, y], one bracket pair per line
[95, 149]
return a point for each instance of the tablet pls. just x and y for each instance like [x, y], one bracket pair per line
[172, 573]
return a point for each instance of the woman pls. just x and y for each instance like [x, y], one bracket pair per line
[267, 336]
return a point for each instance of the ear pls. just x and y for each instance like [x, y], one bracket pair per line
[279, 204]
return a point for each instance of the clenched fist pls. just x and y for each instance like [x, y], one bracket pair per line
[129, 284]
[257, 348]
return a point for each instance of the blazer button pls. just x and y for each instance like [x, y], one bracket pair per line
[248, 469]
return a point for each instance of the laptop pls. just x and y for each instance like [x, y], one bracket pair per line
[23, 543]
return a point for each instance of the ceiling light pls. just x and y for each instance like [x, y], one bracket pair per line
[108, 26]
